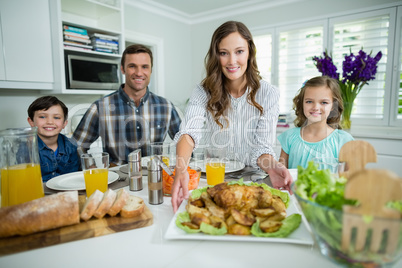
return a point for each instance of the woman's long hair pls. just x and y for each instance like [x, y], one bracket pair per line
[215, 81]
[334, 116]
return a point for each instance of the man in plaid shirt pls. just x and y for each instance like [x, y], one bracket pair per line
[131, 117]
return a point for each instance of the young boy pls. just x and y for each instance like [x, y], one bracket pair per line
[56, 153]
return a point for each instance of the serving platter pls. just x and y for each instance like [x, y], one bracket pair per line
[74, 181]
[301, 235]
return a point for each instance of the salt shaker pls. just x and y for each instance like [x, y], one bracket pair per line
[155, 190]
[134, 170]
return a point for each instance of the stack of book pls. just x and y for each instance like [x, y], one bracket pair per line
[283, 120]
[105, 43]
[76, 38]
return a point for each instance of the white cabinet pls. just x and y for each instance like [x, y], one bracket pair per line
[26, 60]
[95, 16]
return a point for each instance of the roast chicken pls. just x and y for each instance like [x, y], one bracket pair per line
[237, 207]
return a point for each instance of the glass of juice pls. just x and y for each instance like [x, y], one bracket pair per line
[21, 178]
[95, 168]
[215, 159]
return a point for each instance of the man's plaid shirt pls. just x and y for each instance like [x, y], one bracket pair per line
[124, 127]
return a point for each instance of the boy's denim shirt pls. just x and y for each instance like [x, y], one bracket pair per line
[65, 161]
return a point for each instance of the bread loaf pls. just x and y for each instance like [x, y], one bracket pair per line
[91, 205]
[121, 200]
[49, 212]
[108, 199]
[134, 207]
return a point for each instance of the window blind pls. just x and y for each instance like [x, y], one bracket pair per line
[371, 34]
[263, 44]
[295, 65]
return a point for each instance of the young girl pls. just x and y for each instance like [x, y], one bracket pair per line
[317, 134]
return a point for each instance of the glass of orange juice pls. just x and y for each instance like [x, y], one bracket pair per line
[215, 159]
[21, 178]
[95, 168]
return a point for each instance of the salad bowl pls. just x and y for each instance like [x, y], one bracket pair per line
[320, 196]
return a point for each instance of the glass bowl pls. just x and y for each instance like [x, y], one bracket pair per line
[326, 225]
[167, 181]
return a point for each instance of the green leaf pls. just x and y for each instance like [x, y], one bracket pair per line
[289, 224]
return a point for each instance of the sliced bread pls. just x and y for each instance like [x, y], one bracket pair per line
[107, 201]
[134, 207]
[91, 205]
[121, 200]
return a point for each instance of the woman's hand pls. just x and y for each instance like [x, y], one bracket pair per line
[278, 174]
[184, 147]
[280, 177]
[180, 189]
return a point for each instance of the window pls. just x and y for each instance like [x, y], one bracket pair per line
[295, 65]
[263, 44]
[371, 34]
[293, 46]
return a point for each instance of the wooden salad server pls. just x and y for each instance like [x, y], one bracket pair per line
[356, 154]
[373, 189]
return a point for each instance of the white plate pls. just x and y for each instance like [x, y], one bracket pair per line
[230, 166]
[74, 181]
[300, 236]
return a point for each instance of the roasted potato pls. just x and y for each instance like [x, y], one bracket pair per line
[191, 225]
[241, 218]
[238, 229]
[198, 218]
[269, 226]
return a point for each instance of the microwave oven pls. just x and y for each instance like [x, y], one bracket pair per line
[84, 72]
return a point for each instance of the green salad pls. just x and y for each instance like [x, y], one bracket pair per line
[289, 224]
[321, 196]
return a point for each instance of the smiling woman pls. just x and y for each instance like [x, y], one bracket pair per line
[238, 108]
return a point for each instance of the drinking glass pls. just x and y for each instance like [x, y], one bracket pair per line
[215, 162]
[166, 152]
[21, 178]
[95, 168]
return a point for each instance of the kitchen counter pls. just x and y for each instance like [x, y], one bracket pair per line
[146, 247]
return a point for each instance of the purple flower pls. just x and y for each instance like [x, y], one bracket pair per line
[326, 66]
[360, 68]
[356, 69]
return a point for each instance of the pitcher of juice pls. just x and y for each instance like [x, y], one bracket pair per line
[21, 178]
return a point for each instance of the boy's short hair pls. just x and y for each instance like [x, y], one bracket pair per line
[44, 103]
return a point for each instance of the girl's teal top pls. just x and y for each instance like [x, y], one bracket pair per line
[301, 152]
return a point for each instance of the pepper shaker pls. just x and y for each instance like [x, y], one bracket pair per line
[135, 170]
[155, 189]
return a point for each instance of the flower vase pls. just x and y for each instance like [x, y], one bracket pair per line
[347, 111]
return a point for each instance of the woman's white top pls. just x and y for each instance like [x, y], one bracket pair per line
[248, 135]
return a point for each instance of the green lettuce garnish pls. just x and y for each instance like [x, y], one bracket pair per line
[209, 229]
[290, 224]
[185, 217]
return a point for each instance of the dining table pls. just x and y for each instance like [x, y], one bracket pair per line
[149, 247]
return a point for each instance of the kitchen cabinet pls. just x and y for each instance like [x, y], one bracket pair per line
[95, 16]
[26, 60]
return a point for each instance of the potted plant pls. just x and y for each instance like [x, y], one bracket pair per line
[357, 70]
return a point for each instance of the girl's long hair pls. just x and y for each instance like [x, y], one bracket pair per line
[334, 116]
[215, 81]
